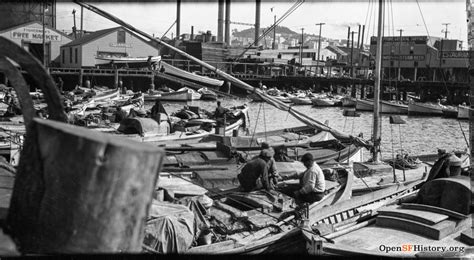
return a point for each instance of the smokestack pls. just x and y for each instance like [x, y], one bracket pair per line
[358, 38]
[348, 35]
[178, 18]
[362, 37]
[220, 21]
[192, 33]
[227, 22]
[257, 20]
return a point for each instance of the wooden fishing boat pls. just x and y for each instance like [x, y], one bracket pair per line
[301, 100]
[258, 221]
[386, 107]
[172, 70]
[349, 102]
[134, 62]
[324, 102]
[439, 216]
[463, 112]
[450, 112]
[425, 109]
[159, 133]
[183, 94]
[207, 94]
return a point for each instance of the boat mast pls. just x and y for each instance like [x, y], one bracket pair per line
[470, 44]
[377, 85]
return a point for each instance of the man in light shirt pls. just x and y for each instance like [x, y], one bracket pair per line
[312, 183]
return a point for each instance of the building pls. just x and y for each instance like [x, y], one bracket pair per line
[30, 37]
[422, 58]
[112, 42]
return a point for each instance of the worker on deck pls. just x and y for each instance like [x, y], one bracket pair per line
[447, 165]
[157, 110]
[312, 183]
[220, 113]
[272, 170]
[255, 174]
[119, 115]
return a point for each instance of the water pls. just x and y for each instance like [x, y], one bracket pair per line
[420, 135]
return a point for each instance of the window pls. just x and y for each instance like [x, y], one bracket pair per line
[75, 55]
[121, 37]
[70, 55]
[64, 54]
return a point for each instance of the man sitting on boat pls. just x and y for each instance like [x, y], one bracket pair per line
[312, 183]
[156, 111]
[256, 173]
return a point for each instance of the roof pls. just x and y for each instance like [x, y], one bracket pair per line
[336, 50]
[92, 36]
[33, 22]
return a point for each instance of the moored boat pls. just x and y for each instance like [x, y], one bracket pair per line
[425, 109]
[386, 107]
[183, 94]
[463, 112]
[348, 102]
[207, 94]
[323, 102]
[450, 112]
[172, 70]
[301, 100]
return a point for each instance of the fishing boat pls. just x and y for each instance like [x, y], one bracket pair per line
[172, 70]
[182, 94]
[425, 109]
[255, 222]
[324, 102]
[349, 102]
[182, 131]
[298, 100]
[463, 112]
[450, 112]
[386, 107]
[207, 94]
[438, 217]
[132, 62]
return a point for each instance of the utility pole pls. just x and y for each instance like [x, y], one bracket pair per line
[44, 34]
[319, 40]
[274, 30]
[301, 47]
[445, 30]
[82, 21]
[399, 54]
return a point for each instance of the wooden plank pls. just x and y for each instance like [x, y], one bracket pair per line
[437, 231]
[180, 187]
[425, 217]
[468, 236]
[439, 210]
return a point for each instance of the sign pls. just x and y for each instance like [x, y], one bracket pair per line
[29, 33]
[454, 54]
[404, 57]
[403, 39]
[122, 45]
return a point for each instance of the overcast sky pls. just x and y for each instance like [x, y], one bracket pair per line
[157, 16]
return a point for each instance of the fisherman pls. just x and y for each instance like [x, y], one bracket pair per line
[447, 165]
[312, 182]
[156, 111]
[255, 174]
[220, 113]
[60, 84]
[119, 115]
[272, 170]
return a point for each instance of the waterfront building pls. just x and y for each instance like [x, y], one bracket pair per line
[112, 42]
[30, 36]
[422, 58]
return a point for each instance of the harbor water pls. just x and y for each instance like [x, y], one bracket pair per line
[420, 135]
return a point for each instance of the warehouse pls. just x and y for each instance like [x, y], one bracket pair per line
[113, 42]
[30, 36]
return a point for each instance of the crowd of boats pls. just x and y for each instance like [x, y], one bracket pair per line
[410, 107]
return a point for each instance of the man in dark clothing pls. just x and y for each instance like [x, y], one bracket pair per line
[220, 114]
[255, 174]
[120, 115]
[156, 111]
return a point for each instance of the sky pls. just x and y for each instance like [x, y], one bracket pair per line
[155, 17]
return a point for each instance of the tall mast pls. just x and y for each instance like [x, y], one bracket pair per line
[377, 85]
[470, 39]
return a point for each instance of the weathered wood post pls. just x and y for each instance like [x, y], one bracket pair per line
[76, 190]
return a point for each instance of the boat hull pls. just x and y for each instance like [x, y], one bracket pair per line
[348, 102]
[463, 112]
[301, 101]
[323, 102]
[424, 109]
[386, 107]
